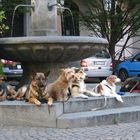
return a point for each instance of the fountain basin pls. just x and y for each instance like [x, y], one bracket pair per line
[49, 48]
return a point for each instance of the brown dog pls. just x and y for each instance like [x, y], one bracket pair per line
[6, 91]
[34, 91]
[36, 88]
[58, 90]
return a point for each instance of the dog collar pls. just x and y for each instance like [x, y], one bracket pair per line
[108, 86]
[75, 86]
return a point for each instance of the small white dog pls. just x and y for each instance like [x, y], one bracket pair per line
[108, 88]
[78, 87]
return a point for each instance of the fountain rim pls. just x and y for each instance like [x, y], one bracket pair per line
[53, 39]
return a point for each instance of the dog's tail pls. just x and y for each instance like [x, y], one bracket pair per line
[98, 108]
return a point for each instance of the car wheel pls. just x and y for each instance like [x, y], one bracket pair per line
[123, 75]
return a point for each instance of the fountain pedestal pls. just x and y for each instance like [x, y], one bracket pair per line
[29, 68]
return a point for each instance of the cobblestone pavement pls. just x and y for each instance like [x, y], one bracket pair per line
[123, 131]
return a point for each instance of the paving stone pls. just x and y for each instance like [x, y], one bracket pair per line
[123, 131]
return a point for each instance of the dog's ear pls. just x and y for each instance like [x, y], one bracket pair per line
[76, 69]
[33, 74]
[62, 70]
[109, 78]
[47, 73]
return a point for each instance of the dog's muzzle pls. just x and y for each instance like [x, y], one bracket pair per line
[117, 80]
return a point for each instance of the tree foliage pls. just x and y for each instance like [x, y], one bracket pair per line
[10, 7]
[3, 27]
[112, 19]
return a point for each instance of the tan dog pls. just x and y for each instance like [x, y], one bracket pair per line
[78, 87]
[108, 88]
[58, 90]
[34, 91]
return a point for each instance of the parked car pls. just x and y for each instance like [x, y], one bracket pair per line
[12, 70]
[99, 65]
[129, 67]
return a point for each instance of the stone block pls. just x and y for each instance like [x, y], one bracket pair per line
[25, 114]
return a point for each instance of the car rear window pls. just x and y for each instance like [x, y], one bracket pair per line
[101, 54]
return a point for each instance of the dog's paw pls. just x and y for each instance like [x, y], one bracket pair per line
[83, 96]
[38, 103]
[50, 103]
[119, 98]
[95, 94]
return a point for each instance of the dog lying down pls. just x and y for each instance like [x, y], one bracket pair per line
[108, 87]
[6, 91]
[78, 87]
[32, 92]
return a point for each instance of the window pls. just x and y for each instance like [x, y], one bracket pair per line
[137, 58]
[101, 54]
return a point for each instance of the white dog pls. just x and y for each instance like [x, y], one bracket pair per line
[78, 87]
[108, 88]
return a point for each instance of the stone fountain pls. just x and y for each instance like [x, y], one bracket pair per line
[43, 49]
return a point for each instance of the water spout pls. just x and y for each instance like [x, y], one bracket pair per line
[20, 5]
[68, 9]
[62, 8]
[50, 6]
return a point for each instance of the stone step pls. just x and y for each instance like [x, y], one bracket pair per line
[79, 105]
[73, 113]
[100, 117]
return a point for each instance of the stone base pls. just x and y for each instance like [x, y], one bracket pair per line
[73, 113]
[25, 114]
[29, 68]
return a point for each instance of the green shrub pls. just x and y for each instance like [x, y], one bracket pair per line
[3, 27]
[1, 68]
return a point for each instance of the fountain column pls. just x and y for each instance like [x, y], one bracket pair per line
[43, 19]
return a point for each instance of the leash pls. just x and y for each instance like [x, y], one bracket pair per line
[69, 95]
[105, 101]
[102, 107]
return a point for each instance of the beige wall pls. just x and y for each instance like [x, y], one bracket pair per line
[133, 46]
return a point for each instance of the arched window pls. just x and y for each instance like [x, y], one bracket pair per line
[70, 24]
